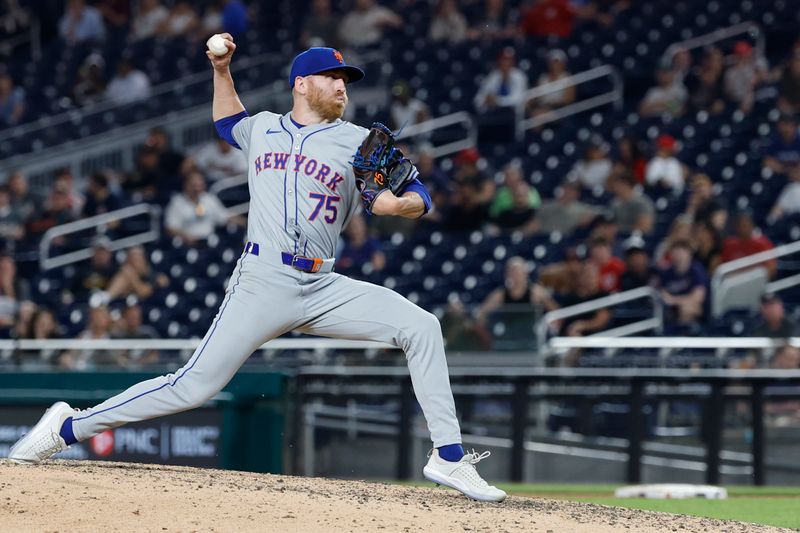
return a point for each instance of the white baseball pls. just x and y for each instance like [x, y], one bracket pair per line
[216, 44]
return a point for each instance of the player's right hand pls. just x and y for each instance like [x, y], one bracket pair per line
[222, 62]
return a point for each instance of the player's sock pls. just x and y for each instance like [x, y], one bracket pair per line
[67, 433]
[451, 452]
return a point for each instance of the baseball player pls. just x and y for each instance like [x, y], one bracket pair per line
[309, 173]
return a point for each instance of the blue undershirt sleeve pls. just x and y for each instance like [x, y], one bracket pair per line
[225, 127]
[419, 188]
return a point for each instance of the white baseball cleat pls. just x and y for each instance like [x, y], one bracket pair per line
[462, 476]
[43, 440]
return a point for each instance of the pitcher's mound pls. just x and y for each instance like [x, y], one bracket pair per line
[72, 496]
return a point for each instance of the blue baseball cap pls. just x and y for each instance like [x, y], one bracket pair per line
[319, 59]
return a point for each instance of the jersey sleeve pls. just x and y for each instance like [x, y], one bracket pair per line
[226, 125]
[418, 187]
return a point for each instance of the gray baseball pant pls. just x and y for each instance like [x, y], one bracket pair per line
[265, 299]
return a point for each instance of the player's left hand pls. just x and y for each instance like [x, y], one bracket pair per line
[379, 166]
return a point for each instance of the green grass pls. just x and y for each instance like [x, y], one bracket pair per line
[775, 506]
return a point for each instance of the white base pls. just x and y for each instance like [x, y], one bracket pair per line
[676, 491]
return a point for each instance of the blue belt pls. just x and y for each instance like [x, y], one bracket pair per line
[305, 264]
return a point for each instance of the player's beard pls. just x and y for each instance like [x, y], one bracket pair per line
[329, 108]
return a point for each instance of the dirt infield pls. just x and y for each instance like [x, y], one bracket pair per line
[88, 496]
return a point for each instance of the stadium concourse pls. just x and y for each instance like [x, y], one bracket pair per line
[696, 165]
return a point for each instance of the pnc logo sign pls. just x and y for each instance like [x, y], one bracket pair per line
[103, 444]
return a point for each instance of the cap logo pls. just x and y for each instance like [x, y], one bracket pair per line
[338, 55]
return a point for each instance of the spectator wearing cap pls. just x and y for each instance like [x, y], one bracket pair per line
[90, 84]
[364, 25]
[100, 198]
[565, 213]
[782, 151]
[705, 83]
[664, 170]
[746, 240]
[468, 171]
[81, 23]
[128, 85]
[684, 285]
[406, 110]
[668, 97]
[95, 276]
[703, 206]
[549, 17]
[594, 167]
[630, 209]
[744, 75]
[58, 210]
[556, 71]
[789, 85]
[639, 271]
[448, 23]
[772, 321]
[707, 246]
[12, 101]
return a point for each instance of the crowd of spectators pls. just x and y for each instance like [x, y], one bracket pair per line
[604, 207]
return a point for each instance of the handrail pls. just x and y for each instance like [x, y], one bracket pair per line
[99, 151]
[316, 344]
[154, 233]
[614, 96]
[600, 303]
[442, 122]
[718, 35]
[158, 90]
[752, 260]
[750, 343]
[227, 183]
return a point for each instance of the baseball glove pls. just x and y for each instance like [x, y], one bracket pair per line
[380, 166]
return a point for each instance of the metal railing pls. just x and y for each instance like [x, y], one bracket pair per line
[152, 234]
[428, 126]
[750, 261]
[230, 183]
[721, 34]
[315, 344]
[633, 387]
[654, 323]
[700, 343]
[614, 96]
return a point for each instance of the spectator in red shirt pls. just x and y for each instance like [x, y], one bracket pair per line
[549, 17]
[747, 240]
[609, 268]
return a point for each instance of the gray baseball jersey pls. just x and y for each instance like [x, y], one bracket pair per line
[302, 187]
[302, 193]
